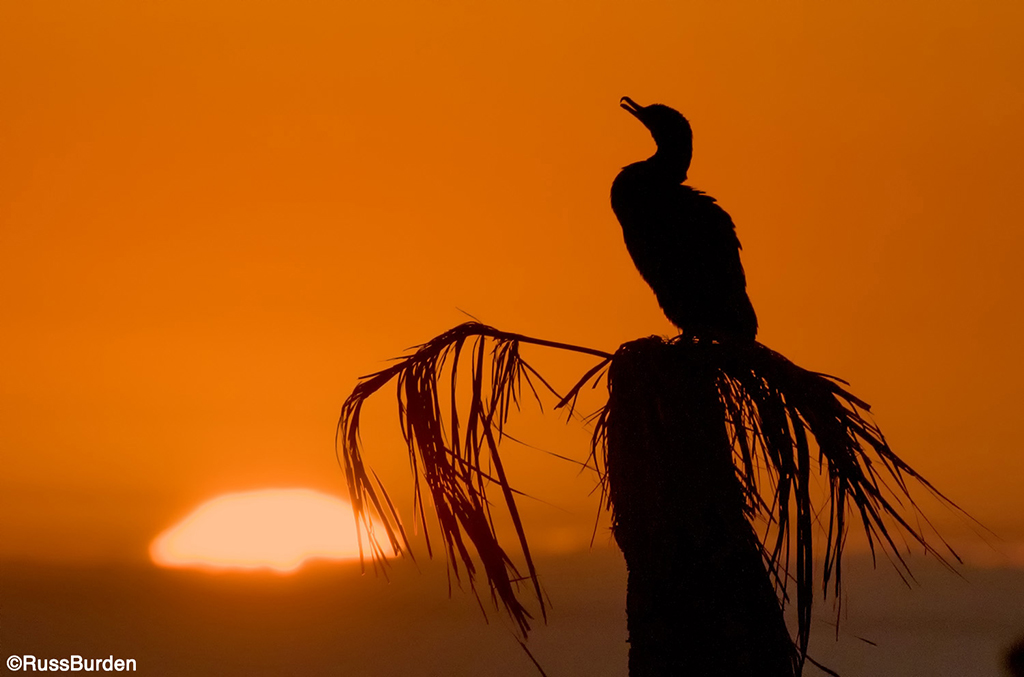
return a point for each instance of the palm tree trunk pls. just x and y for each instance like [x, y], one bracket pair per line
[699, 600]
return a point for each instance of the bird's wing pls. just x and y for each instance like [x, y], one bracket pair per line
[707, 233]
[710, 266]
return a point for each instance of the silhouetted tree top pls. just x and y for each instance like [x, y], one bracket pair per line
[777, 414]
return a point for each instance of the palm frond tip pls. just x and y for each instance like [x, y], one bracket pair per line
[773, 410]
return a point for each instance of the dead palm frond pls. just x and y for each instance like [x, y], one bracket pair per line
[454, 450]
[772, 407]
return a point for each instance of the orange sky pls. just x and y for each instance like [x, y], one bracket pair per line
[214, 216]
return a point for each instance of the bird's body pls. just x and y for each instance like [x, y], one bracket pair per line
[682, 242]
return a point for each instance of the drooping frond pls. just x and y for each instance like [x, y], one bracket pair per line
[774, 410]
[453, 448]
[777, 414]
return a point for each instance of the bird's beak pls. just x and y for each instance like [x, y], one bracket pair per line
[632, 107]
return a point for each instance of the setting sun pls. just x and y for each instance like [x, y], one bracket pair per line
[277, 529]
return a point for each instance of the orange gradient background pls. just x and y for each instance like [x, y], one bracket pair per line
[214, 216]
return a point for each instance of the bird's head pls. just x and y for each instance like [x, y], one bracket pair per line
[671, 132]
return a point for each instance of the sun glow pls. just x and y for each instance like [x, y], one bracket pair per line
[278, 529]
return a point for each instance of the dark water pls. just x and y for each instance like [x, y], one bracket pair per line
[330, 620]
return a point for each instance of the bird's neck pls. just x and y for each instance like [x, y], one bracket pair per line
[672, 163]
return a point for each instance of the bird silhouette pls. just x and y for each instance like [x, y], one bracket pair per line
[681, 241]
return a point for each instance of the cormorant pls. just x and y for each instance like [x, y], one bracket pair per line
[682, 242]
